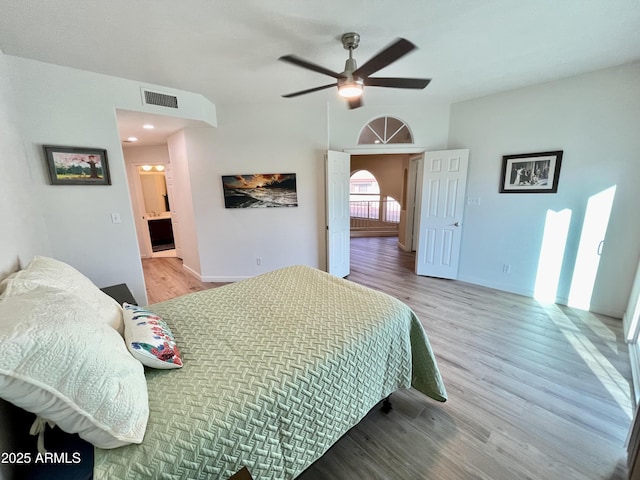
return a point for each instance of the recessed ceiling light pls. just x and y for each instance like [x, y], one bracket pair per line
[148, 126]
[133, 139]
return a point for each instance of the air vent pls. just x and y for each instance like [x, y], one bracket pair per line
[160, 99]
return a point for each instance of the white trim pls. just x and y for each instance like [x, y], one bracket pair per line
[384, 149]
[223, 279]
[192, 272]
[634, 359]
[214, 279]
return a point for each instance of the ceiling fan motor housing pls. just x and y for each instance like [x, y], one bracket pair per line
[349, 67]
[350, 41]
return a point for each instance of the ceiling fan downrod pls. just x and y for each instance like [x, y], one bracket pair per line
[350, 41]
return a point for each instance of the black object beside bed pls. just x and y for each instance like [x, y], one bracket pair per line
[68, 457]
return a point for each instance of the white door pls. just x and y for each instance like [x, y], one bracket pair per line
[416, 182]
[338, 171]
[175, 217]
[440, 226]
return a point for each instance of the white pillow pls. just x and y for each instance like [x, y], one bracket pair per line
[48, 272]
[149, 338]
[72, 371]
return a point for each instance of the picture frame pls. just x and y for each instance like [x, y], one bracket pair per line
[260, 190]
[77, 165]
[531, 172]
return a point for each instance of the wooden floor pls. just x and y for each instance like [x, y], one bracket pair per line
[166, 279]
[535, 392]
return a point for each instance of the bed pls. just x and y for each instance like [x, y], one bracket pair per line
[274, 370]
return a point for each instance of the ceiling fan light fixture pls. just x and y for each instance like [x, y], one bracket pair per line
[350, 88]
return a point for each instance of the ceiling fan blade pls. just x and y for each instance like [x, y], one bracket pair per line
[417, 83]
[393, 52]
[309, 66]
[355, 102]
[310, 90]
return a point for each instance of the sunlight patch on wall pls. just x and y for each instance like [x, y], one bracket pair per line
[594, 229]
[554, 241]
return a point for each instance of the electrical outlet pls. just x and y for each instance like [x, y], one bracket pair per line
[115, 218]
[506, 268]
[259, 261]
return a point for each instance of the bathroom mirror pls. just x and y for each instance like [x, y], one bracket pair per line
[154, 191]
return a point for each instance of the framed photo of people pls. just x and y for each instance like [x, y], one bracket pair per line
[531, 172]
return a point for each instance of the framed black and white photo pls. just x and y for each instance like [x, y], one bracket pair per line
[531, 172]
[77, 165]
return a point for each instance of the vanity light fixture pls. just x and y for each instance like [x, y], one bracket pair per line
[148, 168]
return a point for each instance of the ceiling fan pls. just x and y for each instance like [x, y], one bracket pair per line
[352, 81]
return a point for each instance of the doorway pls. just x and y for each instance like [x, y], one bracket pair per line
[157, 209]
[379, 201]
[438, 198]
[153, 180]
[151, 198]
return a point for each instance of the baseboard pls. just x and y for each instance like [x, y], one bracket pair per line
[594, 308]
[191, 272]
[402, 247]
[372, 233]
[222, 279]
[213, 279]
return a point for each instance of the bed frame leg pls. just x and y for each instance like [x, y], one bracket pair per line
[386, 405]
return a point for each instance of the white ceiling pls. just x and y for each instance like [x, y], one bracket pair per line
[131, 124]
[227, 50]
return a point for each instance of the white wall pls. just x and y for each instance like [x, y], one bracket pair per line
[184, 222]
[284, 137]
[64, 106]
[22, 228]
[149, 155]
[594, 119]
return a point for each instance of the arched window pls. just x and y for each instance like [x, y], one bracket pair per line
[366, 202]
[364, 195]
[384, 130]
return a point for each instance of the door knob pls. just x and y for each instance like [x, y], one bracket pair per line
[457, 224]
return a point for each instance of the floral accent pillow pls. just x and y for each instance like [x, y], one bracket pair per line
[149, 338]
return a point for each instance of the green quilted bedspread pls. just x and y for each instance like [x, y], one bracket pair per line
[276, 369]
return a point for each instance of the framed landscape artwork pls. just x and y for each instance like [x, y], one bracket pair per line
[260, 190]
[77, 166]
[531, 172]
